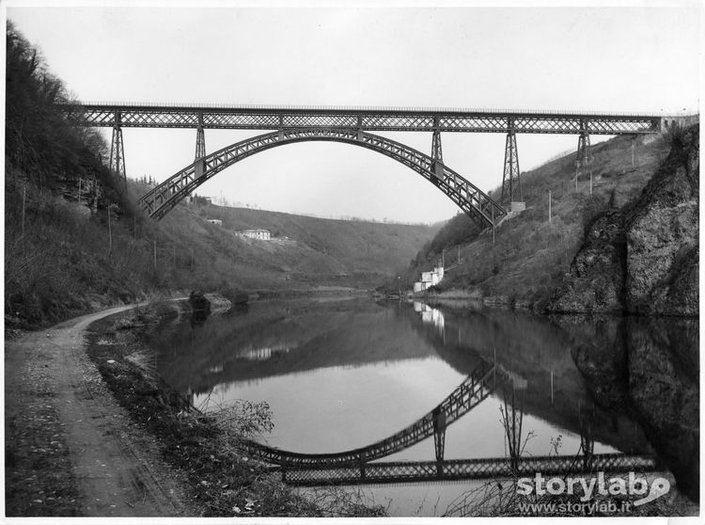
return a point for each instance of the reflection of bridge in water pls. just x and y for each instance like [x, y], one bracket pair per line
[419, 471]
[470, 393]
[357, 466]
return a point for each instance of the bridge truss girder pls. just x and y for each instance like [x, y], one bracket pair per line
[480, 468]
[365, 119]
[161, 199]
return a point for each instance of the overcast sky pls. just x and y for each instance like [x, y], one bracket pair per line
[641, 59]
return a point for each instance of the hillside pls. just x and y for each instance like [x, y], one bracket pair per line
[530, 255]
[75, 240]
[312, 249]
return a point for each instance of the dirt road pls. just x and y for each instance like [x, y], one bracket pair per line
[70, 448]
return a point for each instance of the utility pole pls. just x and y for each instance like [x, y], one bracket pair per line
[493, 226]
[110, 234]
[24, 201]
[633, 144]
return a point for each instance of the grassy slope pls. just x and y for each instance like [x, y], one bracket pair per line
[530, 256]
[62, 265]
[324, 248]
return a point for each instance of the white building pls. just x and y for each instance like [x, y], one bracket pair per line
[262, 235]
[217, 222]
[429, 279]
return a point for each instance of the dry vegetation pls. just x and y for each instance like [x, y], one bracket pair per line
[222, 480]
[529, 256]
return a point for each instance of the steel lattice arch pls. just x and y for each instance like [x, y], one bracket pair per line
[161, 199]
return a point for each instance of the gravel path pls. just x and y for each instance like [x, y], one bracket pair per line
[70, 448]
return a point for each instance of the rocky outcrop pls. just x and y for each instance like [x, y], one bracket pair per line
[648, 369]
[644, 258]
[596, 278]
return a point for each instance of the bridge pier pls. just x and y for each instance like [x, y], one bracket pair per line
[511, 179]
[437, 150]
[587, 441]
[439, 436]
[582, 161]
[117, 150]
[200, 139]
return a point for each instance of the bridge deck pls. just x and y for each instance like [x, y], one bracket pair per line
[366, 119]
[420, 471]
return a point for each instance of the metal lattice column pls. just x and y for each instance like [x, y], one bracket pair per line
[582, 161]
[437, 150]
[117, 151]
[200, 139]
[439, 433]
[511, 180]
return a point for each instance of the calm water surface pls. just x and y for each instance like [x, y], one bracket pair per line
[341, 374]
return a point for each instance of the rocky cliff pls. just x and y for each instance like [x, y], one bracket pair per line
[643, 258]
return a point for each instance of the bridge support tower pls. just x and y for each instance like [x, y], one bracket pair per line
[511, 179]
[582, 161]
[437, 150]
[200, 139]
[200, 167]
[439, 438]
[117, 150]
[587, 441]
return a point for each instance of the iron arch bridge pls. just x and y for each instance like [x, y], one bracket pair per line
[353, 124]
[484, 380]
[162, 198]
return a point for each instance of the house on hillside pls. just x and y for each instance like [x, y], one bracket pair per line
[260, 234]
[429, 279]
[217, 222]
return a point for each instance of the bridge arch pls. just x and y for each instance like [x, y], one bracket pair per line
[478, 205]
[481, 382]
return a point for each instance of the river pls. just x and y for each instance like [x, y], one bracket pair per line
[340, 374]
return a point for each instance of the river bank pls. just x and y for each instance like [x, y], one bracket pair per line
[220, 480]
[71, 449]
[90, 431]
